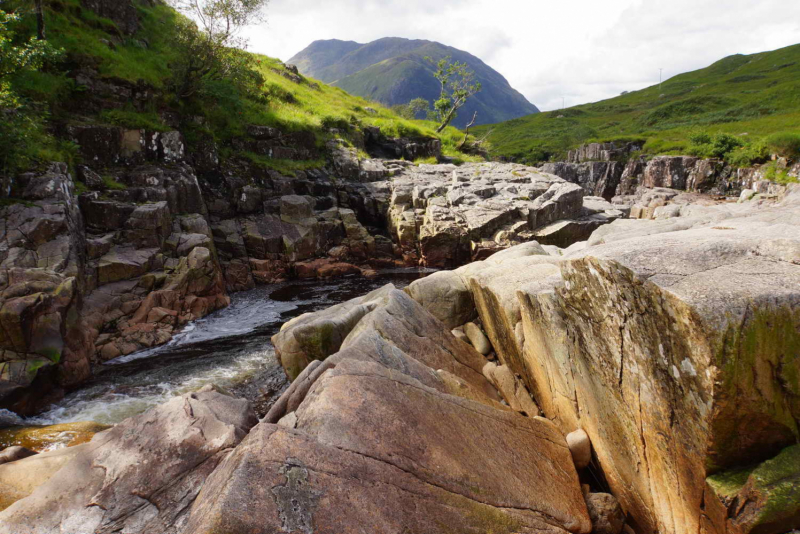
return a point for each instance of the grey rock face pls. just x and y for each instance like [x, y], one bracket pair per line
[449, 215]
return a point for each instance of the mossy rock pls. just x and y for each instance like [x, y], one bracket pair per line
[764, 498]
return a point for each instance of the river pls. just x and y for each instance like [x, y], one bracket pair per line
[230, 348]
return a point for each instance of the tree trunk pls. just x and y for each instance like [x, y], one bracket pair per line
[40, 28]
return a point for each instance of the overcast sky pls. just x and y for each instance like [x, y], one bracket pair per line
[583, 50]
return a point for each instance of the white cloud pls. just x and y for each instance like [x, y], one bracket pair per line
[576, 50]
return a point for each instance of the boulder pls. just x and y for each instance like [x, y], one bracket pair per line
[20, 478]
[667, 357]
[142, 475]
[446, 296]
[373, 449]
[581, 448]
[606, 513]
[453, 214]
[477, 338]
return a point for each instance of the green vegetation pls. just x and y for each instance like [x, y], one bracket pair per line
[241, 89]
[775, 484]
[394, 71]
[458, 84]
[751, 99]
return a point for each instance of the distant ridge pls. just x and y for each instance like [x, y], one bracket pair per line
[393, 71]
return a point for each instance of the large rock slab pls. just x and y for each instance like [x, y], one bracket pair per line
[371, 449]
[142, 475]
[449, 215]
[663, 348]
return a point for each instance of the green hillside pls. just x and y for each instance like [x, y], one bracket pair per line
[394, 71]
[95, 49]
[747, 96]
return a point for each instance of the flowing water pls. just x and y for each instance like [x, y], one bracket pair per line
[230, 348]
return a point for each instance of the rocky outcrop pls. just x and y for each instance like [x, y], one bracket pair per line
[139, 477]
[602, 152]
[598, 178]
[662, 346]
[449, 215]
[406, 454]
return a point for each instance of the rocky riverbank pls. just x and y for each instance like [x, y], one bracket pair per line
[643, 381]
[119, 256]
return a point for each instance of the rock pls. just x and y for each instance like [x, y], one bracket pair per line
[142, 475]
[685, 297]
[341, 451]
[581, 448]
[124, 264]
[446, 296]
[668, 171]
[459, 334]
[12, 454]
[401, 322]
[91, 179]
[511, 389]
[454, 214]
[746, 195]
[761, 498]
[477, 338]
[20, 478]
[596, 178]
[606, 513]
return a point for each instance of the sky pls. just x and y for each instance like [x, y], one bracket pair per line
[555, 52]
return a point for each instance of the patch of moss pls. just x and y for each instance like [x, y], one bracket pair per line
[728, 484]
[779, 480]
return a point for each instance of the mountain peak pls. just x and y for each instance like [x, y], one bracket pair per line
[393, 70]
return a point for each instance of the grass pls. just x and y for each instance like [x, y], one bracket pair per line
[94, 43]
[750, 97]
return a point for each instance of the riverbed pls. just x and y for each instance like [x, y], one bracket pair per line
[230, 348]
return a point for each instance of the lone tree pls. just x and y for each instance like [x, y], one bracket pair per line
[209, 45]
[457, 85]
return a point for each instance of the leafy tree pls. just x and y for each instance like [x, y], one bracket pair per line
[458, 84]
[209, 45]
[16, 55]
[17, 125]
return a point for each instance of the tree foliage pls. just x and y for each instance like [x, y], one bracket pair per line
[16, 54]
[19, 125]
[209, 45]
[457, 83]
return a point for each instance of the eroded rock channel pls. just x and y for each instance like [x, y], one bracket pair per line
[580, 365]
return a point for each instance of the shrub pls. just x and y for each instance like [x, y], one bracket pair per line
[784, 144]
[720, 145]
[748, 154]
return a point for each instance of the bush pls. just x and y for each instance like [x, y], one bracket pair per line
[748, 155]
[784, 144]
[720, 145]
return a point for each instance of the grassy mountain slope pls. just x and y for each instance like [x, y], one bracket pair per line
[393, 71]
[744, 95]
[96, 49]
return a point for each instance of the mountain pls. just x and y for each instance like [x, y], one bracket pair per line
[749, 96]
[394, 71]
